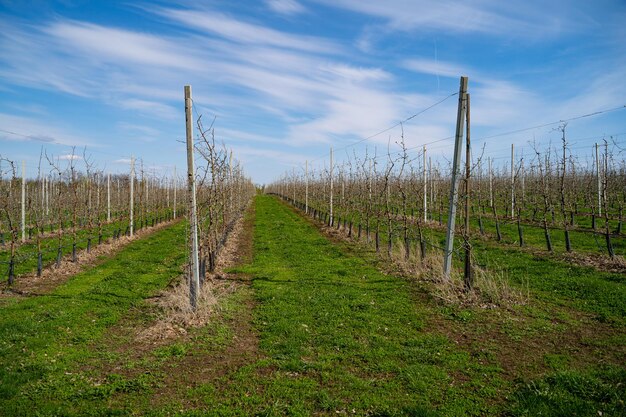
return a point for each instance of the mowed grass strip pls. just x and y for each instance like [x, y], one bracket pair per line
[341, 337]
[43, 336]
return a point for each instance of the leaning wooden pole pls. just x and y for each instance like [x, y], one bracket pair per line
[306, 186]
[454, 184]
[109, 198]
[599, 182]
[330, 221]
[131, 220]
[23, 225]
[425, 190]
[512, 180]
[467, 274]
[194, 270]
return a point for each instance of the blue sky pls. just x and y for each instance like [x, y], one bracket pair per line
[286, 79]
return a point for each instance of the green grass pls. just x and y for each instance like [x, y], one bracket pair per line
[26, 254]
[583, 239]
[43, 337]
[585, 288]
[549, 278]
[556, 284]
[573, 393]
[335, 337]
[340, 336]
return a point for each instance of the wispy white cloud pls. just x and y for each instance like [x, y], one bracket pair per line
[270, 87]
[35, 129]
[230, 135]
[152, 108]
[534, 20]
[286, 7]
[143, 129]
[435, 67]
[244, 32]
[117, 44]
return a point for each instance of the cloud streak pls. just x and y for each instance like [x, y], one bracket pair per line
[271, 86]
[285, 7]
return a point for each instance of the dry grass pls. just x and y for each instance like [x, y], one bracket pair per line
[601, 262]
[176, 316]
[491, 288]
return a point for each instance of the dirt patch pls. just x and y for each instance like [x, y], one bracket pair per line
[177, 316]
[207, 367]
[174, 324]
[52, 276]
[604, 263]
[580, 343]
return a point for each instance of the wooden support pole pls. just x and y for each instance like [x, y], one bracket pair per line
[194, 276]
[23, 201]
[230, 182]
[490, 183]
[454, 184]
[512, 180]
[522, 180]
[132, 195]
[599, 181]
[467, 275]
[425, 186]
[331, 187]
[108, 197]
[306, 187]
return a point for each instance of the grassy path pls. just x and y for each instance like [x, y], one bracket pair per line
[43, 337]
[339, 336]
[315, 329]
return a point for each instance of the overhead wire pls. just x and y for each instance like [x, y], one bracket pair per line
[409, 118]
[525, 129]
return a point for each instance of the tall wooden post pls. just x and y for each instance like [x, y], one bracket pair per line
[306, 186]
[425, 187]
[599, 182]
[522, 180]
[490, 183]
[132, 195]
[331, 186]
[230, 182]
[454, 184]
[109, 197]
[512, 180]
[467, 275]
[23, 201]
[194, 278]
